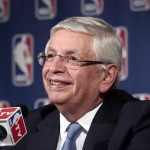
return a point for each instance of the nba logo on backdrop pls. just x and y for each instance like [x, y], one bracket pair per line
[41, 102]
[4, 103]
[92, 7]
[45, 9]
[4, 10]
[140, 5]
[22, 59]
[142, 96]
[123, 34]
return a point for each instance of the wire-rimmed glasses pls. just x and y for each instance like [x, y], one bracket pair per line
[68, 60]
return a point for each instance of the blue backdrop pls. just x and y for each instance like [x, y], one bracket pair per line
[24, 31]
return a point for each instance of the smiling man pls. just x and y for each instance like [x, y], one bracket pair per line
[67, 85]
[81, 66]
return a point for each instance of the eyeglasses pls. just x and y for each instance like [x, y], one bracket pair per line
[69, 61]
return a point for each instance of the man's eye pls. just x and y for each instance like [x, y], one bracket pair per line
[50, 56]
[70, 58]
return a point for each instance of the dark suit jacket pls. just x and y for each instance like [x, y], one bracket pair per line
[121, 123]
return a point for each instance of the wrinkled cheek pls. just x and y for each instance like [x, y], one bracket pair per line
[44, 72]
[78, 85]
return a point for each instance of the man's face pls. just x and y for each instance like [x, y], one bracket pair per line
[66, 86]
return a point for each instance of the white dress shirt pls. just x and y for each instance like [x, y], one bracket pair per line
[84, 121]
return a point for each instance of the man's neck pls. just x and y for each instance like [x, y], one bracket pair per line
[74, 113]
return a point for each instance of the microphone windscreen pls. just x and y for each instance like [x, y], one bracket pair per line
[12, 125]
[3, 133]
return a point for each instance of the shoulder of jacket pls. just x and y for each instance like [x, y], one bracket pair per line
[136, 111]
[37, 115]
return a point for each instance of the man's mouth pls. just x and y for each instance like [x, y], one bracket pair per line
[57, 83]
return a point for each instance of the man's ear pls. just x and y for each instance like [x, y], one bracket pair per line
[109, 77]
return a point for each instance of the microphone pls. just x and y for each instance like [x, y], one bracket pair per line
[12, 126]
[3, 133]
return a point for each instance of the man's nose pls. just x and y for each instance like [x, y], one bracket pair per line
[57, 65]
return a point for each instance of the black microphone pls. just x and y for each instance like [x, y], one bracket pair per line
[3, 133]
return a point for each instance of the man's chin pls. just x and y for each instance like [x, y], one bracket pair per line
[57, 101]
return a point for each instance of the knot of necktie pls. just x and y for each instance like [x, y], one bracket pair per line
[74, 130]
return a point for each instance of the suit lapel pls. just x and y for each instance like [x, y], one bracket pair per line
[47, 134]
[98, 137]
[103, 124]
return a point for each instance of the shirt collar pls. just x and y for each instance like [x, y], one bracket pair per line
[85, 121]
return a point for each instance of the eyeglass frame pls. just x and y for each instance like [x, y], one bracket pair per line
[80, 63]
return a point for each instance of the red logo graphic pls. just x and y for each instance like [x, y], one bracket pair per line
[6, 112]
[123, 34]
[92, 7]
[45, 9]
[22, 63]
[18, 129]
[4, 10]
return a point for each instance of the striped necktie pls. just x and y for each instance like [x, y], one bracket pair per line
[74, 130]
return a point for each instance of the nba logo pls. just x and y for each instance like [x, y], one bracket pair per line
[4, 104]
[123, 34]
[139, 5]
[4, 10]
[45, 9]
[22, 59]
[92, 7]
[142, 96]
[41, 102]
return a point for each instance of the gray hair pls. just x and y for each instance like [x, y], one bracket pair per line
[106, 43]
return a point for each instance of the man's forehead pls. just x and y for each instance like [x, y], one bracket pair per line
[67, 49]
[63, 51]
[82, 47]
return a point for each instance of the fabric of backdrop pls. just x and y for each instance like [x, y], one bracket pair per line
[24, 31]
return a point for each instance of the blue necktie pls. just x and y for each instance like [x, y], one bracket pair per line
[74, 130]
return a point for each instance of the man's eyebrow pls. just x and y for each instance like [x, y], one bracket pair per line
[70, 52]
[65, 52]
[50, 49]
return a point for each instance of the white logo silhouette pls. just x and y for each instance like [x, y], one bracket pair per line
[23, 57]
[48, 3]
